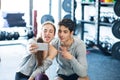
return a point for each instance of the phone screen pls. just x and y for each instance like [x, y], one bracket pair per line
[42, 46]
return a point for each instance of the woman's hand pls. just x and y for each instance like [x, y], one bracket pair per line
[33, 47]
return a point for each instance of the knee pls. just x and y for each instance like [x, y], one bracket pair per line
[83, 78]
[58, 78]
[41, 76]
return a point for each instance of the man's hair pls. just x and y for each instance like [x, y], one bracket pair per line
[68, 23]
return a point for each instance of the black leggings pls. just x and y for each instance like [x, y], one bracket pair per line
[20, 76]
[71, 77]
[40, 76]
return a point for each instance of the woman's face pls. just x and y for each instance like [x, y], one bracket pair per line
[64, 34]
[47, 33]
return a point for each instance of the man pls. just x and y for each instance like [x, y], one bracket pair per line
[72, 53]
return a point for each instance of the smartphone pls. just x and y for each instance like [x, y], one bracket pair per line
[42, 46]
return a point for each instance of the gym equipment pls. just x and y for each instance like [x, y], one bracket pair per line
[111, 19]
[116, 29]
[16, 35]
[105, 47]
[104, 19]
[116, 8]
[116, 50]
[66, 5]
[9, 35]
[2, 35]
[47, 17]
[68, 16]
[108, 1]
[30, 34]
[15, 19]
[91, 18]
[90, 43]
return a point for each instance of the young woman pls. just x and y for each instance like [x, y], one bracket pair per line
[36, 62]
[72, 53]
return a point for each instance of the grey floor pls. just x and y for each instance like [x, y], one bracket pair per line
[100, 67]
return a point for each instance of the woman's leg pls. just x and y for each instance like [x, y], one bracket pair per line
[20, 76]
[41, 76]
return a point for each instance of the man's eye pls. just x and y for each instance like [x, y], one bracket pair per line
[65, 31]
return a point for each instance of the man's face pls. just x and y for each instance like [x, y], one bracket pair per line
[64, 34]
[47, 33]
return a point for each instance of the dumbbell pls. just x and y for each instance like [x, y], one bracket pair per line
[16, 35]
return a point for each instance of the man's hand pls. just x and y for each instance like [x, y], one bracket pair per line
[31, 78]
[65, 53]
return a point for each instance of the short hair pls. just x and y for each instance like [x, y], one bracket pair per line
[68, 23]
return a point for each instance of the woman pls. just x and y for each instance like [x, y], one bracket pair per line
[36, 61]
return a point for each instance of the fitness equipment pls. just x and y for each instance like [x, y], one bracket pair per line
[66, 5]
[116, 8]
[116, 50]
[30, 33]
[111, 19]
[16, 35]
[105, 47]
[15, 19]
[89, 43]
[9, 35]
[68, 16]
[47, 17]
[104, 19]
[91, 18]
[116, 29]
[2, 35]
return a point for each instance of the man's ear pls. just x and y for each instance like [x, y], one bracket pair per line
[72, 33]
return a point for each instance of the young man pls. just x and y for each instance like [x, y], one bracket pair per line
[72, 53]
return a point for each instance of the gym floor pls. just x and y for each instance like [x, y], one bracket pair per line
[100, 67]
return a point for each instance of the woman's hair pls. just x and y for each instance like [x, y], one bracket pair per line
[39, 54]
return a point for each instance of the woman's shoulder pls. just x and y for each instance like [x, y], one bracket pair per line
[32, 40]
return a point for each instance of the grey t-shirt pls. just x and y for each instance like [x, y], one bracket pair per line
[78, 64]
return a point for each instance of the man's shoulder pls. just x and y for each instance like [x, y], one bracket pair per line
[78, 40]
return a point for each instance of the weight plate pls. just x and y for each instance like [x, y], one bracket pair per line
[47, 17]
[116, 50]
[66, 5]
[116, 29]
[68, 16]
[117, 8]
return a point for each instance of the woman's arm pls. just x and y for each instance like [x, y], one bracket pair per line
[46, 63]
